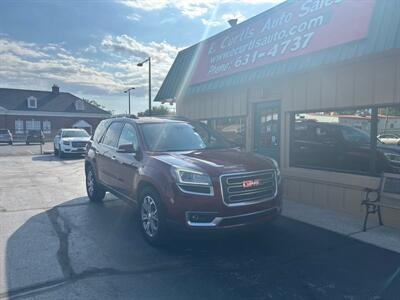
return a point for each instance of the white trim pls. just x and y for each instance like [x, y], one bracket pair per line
[31, 98]
[55, 114]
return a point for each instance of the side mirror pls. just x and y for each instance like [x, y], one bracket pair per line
[126, 148]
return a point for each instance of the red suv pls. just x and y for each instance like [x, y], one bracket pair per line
[182, 173]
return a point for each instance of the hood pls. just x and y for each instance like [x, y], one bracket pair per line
[216, 162]
[77, 139]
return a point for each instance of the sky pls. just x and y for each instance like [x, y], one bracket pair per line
[90, 48]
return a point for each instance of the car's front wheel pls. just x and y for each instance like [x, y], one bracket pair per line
[60, 153]
[94, 190]
[152, 217]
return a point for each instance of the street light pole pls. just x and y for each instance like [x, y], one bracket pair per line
[150, 86]
[129, 98]
[141, 65]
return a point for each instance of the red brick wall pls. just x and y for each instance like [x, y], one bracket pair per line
[8, 122]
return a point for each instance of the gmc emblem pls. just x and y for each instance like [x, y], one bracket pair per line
[250, 183]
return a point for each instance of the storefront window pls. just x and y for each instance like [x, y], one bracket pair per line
[233, 129]
[344, 140]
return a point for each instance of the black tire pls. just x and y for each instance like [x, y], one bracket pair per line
[55, 151]
[60, 153]
[95, 191]
[156, 235]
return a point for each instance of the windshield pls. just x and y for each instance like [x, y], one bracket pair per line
[161, 137]
[74, 133]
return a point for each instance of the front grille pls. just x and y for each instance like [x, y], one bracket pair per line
[242, 188]
[79, 144]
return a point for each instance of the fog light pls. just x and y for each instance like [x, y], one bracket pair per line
[201, 217]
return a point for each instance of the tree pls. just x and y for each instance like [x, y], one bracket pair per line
[156, 111]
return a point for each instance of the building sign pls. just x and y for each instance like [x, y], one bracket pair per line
[290, 30]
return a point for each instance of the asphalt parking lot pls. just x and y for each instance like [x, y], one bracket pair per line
[54, 244]
[20, 149]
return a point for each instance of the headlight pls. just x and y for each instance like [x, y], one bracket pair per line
[66, 143]
[192, 177]
[276, 166]
[392, 157]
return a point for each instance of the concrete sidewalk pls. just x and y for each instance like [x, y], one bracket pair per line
[348, 225]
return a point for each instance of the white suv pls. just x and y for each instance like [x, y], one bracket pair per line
[70, 141]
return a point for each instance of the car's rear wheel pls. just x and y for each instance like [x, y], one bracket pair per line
[55, 150]
[152, 217]
[94, 190]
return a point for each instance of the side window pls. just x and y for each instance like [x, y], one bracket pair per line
[302, 132]
[101, 128]
[324, 134]
[128, 136]
[112, 135]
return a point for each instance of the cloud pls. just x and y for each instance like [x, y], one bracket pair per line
[128, 52]
[223, 20]
[20, 48]
[134, 17]
[28, 65]
[191, 9]
[90, 49]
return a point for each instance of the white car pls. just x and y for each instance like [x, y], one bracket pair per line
[6, 136]
[389, 139]
[70, 141]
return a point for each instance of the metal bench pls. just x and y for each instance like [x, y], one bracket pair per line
[386, 195]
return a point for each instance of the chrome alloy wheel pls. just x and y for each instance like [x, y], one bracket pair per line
[90, 182]
[149, 216]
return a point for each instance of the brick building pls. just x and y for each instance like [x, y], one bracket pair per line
[24, 110]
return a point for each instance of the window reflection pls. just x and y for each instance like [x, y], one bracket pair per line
[233, 129]
[342, 140]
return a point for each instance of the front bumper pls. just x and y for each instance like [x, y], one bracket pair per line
[75, 150]
[211, 213]
[210, 220]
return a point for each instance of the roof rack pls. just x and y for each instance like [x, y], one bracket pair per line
[131, 116]
[174, 117]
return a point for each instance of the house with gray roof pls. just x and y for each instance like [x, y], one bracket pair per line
[23, 110]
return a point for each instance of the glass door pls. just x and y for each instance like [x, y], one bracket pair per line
[267, 131]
